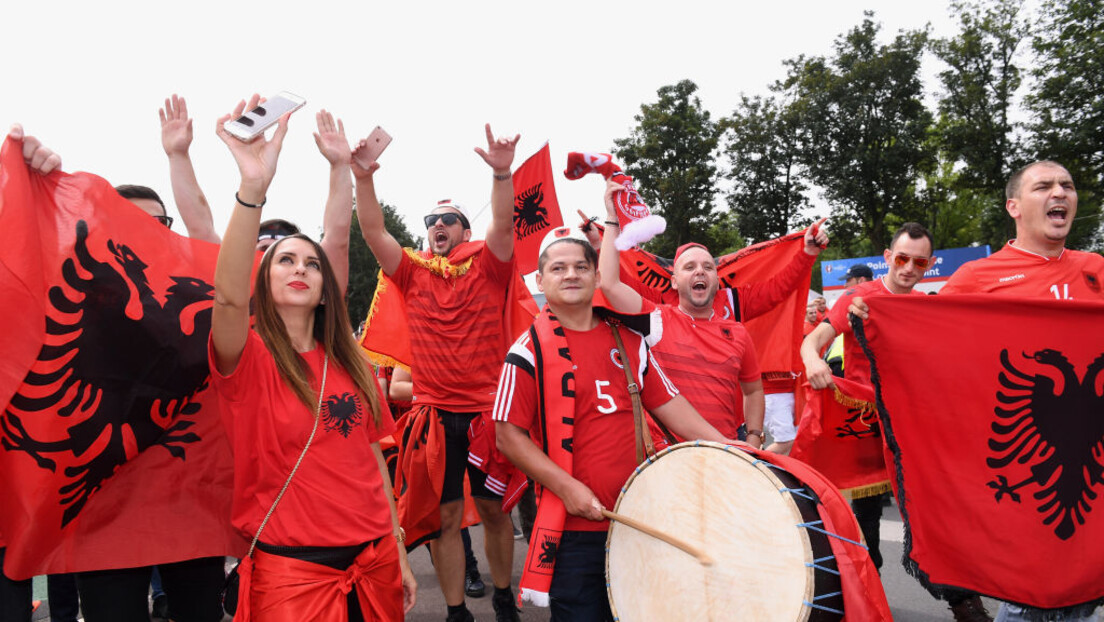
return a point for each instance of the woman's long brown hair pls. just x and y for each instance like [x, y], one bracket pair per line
[331, 329]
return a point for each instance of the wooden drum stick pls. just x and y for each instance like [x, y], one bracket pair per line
[655, 533]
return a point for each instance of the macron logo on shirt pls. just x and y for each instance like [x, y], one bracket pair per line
[1014, 277]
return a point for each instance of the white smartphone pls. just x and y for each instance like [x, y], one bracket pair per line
[377, 142]
[253, 123]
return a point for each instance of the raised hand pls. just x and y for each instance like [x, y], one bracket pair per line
[500, 152]
[816, 239]
[39, 157]
[257, 159]
[363, 165]
[176, 127]
[331, 139]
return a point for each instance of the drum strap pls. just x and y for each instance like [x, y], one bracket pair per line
[645, 448]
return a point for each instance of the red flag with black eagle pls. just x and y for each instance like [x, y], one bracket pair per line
[536, 210]
[839, 436]
[111, 445]
[993, 409]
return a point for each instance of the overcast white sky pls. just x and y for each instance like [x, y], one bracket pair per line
[88, 79]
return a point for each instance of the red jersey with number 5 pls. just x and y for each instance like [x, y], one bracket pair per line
[1017, 272]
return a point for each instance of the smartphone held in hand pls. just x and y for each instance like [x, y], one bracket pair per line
[373, 146]
[254, 122]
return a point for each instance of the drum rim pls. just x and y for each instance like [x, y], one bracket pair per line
[757, 464]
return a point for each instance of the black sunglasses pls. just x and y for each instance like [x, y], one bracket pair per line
[165, 220]
[448, 218]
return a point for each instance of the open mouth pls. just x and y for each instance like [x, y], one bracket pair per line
[440, 238]
[699, 286]
[1057, 213]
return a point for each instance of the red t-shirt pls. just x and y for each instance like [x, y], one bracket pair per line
[603, 445]
[336, 497]
[855, 364]
[456, 331]
[1014, 271]
[707, 360]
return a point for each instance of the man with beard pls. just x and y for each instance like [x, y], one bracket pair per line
[711, 359]
[455, 297]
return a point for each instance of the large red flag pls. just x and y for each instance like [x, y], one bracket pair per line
[536, 210]
[777, 332]
[994, 411]
[113, 454]
[839, 436]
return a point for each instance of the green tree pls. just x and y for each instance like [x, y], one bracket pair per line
[975, 132]
[363, 267]
[1066, 103]
[670, 153]
[865, 126]
[761, 142]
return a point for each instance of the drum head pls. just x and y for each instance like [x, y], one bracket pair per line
[724, 501]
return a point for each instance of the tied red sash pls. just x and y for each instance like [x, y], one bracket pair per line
[553, 364]
[284, 589]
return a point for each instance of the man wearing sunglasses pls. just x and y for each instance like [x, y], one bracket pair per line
[455, 298]
[908, 257]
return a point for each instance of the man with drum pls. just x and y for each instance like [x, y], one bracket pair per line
[564, 384]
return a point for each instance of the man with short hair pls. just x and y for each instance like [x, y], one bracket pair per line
[909, 255]
[1042, 199]
[577, 370]
[455, 297]
[711, 359]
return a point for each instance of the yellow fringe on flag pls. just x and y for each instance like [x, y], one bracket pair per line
[440, 265]
[865, 408]
[870, 490]
[381, 360]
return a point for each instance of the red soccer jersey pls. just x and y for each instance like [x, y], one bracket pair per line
[336, 497]
[456, 331]
[707, 360]
[1014, 271]
[603, 446]
[855, 364]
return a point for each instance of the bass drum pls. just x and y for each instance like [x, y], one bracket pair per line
[758, 523]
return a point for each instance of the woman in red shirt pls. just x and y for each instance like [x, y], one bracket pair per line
[331, 548]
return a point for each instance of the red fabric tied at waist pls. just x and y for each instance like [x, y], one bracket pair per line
[284, 589]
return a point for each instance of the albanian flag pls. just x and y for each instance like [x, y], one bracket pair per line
[111, 446]
[536, 210]
[771, 293]
[839, 436]
[994, 411]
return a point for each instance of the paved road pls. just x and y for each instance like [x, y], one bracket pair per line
[907, 599]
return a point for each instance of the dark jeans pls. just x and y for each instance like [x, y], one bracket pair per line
[192, 588]
[578, 591]
[868, 513]
[61, 594]
[15, 597]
